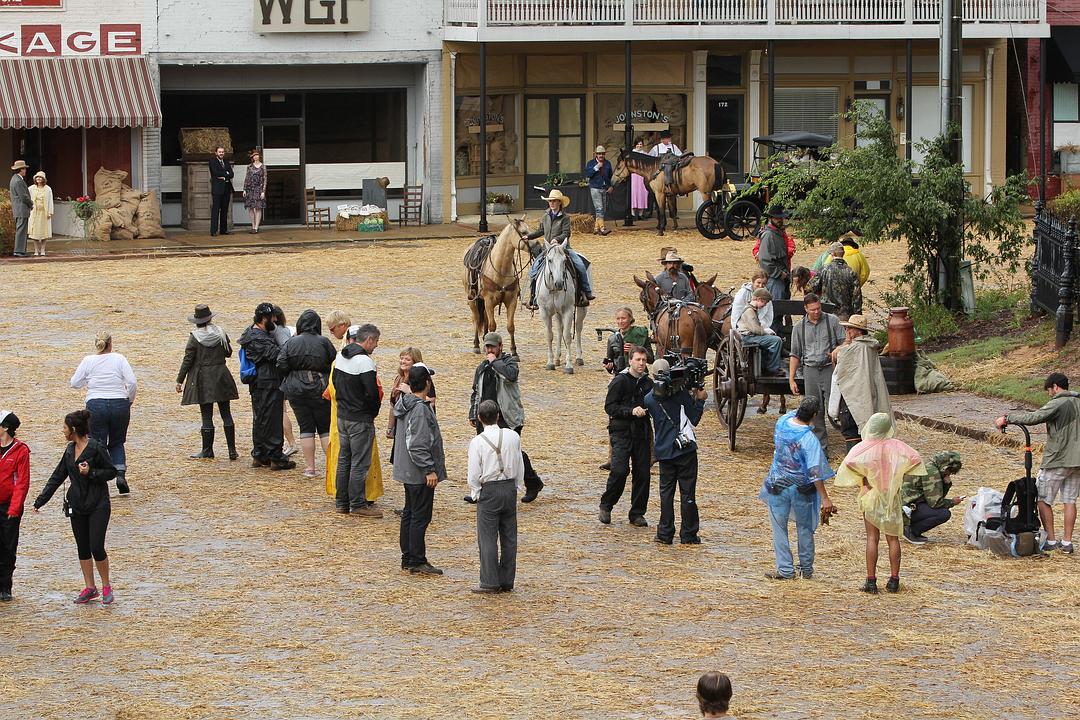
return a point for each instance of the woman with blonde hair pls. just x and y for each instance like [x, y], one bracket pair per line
[110, 392]
[40, 230]
[408, 357]
[338, 322]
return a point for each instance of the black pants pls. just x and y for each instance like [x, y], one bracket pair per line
[533, 483]
[924, 517]
[848, 426]
[415, 519]
[267, 409]
[681, 471]
[626, 449]
[207, 412]
[89, 531]
[220, 205]
[9, 543]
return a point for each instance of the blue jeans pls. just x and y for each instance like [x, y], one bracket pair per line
[579, 266]
[109, 418]
[597, 196]
[770, 345]
[805, 509]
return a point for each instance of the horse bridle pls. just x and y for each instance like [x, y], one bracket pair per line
[518, 267]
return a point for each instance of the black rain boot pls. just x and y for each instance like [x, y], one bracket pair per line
[207, 445]
[230, 439]
[121, 482]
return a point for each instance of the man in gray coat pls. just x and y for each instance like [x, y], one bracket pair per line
[420, 465]
[773, 258]
[21, 204]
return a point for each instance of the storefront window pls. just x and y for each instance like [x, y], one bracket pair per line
[238, 112]
[651, 113]
[724, 71]
[502, 135]
[355, 127]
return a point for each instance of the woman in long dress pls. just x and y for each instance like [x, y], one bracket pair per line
[40, 229]
[337, 323]
[639, 194]
[255, 190]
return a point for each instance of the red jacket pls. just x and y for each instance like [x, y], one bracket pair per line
[15, 477]
[790, 248]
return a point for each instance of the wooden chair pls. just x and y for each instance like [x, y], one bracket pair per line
[412, 205]
[314, 216]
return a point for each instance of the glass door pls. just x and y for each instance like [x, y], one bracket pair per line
[879, 104]
[725, 129]
[281, 144]
[554, 141]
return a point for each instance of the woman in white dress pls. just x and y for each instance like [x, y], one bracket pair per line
[40, 229]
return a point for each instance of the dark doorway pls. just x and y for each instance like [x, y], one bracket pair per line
[554, 140]
[281, 141]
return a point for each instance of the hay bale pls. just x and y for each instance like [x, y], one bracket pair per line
[200, 143]
[148, 217]
[108, 187]
[582, 222]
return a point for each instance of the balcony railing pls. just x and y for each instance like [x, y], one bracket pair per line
[515, 13]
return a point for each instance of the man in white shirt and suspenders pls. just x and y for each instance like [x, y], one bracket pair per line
[496, 473]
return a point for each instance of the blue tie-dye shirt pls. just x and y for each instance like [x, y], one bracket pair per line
[798, 458]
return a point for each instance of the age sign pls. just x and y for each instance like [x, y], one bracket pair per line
[55, 40]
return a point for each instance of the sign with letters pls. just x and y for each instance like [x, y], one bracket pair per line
[308, 16]
[31, 4]
[58, 40]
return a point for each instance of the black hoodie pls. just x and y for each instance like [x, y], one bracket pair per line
[262, 349]
[356, 385]
[305, 359]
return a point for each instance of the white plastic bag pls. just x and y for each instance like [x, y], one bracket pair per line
[983, 505]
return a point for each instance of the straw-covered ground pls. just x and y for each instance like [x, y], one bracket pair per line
[241, 595]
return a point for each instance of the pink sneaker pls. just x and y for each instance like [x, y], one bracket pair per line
[106, 595]
[87, 595]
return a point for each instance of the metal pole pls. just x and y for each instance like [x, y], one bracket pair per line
[956, 87]
[628, 141]
[483, 227]
[945, 64]
[770, 51]
[910, 108]
[1042, 121]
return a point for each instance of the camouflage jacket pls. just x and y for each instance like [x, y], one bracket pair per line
[838, 284]
[931, 488]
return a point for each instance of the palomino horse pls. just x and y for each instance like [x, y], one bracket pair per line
[499, 277]
[556, 292]
[681, 327]
[702, 173]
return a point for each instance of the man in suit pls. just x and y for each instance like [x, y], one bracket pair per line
[221, 175]
[21, 204]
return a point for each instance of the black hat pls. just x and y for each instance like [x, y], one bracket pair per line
[665, 134]
[264, 310]
[777, 211]
[10, 421]
[202, 315]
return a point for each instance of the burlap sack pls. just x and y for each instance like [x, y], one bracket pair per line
[148, 217]
[116, 220]
[129, 204]
[102, 227]
[108, 187]
[121, 233]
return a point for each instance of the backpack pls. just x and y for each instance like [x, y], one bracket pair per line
[1019, 512]
[248, 371]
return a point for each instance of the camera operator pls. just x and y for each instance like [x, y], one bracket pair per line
[631, 438]
[675, 404]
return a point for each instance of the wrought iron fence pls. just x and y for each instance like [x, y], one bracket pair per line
[1054, 270]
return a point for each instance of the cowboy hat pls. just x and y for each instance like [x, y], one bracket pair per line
[202, 315]
[556, 194]
[671, 256]
[777, 211]
[600, 150]
[41, 174]
[856, 321]
[19, 165]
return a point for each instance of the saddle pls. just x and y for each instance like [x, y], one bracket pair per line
[671, 164]
[579, 299]
[475, 257]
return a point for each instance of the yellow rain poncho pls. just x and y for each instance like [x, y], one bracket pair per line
[374, 487]
[878, 465]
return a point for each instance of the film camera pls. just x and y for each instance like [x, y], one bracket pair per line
[685, 374]
[617, 334]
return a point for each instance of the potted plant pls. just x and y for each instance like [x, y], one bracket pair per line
[499, 203]
[87, 211]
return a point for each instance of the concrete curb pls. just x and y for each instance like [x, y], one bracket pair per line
[994, 437]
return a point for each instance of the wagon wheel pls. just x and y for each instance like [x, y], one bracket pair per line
[729, 389]
[710, 220]
[743, 220]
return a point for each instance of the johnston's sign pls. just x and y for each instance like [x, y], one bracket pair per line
[306, 16]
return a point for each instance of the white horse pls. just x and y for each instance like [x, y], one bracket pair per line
[556, 291]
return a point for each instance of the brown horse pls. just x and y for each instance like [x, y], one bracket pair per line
[679, 327]
[499, 276]
[701, 173]
[718, 304]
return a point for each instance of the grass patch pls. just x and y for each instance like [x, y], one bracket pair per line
[991, 304]
[1029, 390]
[978, 350]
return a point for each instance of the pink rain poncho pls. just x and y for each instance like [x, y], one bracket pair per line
[881, 461]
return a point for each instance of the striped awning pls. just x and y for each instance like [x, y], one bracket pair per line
[90, 92]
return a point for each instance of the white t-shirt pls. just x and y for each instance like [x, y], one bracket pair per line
[105, 377]
[661, 148]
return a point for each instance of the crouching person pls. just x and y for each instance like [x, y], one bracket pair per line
[795, 486]
[925, 497]
[419, 465]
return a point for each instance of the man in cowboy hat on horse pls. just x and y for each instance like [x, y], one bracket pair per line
[673, 282]
[555, 227]
[21, 205]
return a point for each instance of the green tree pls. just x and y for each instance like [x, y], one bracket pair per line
[876, 190]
